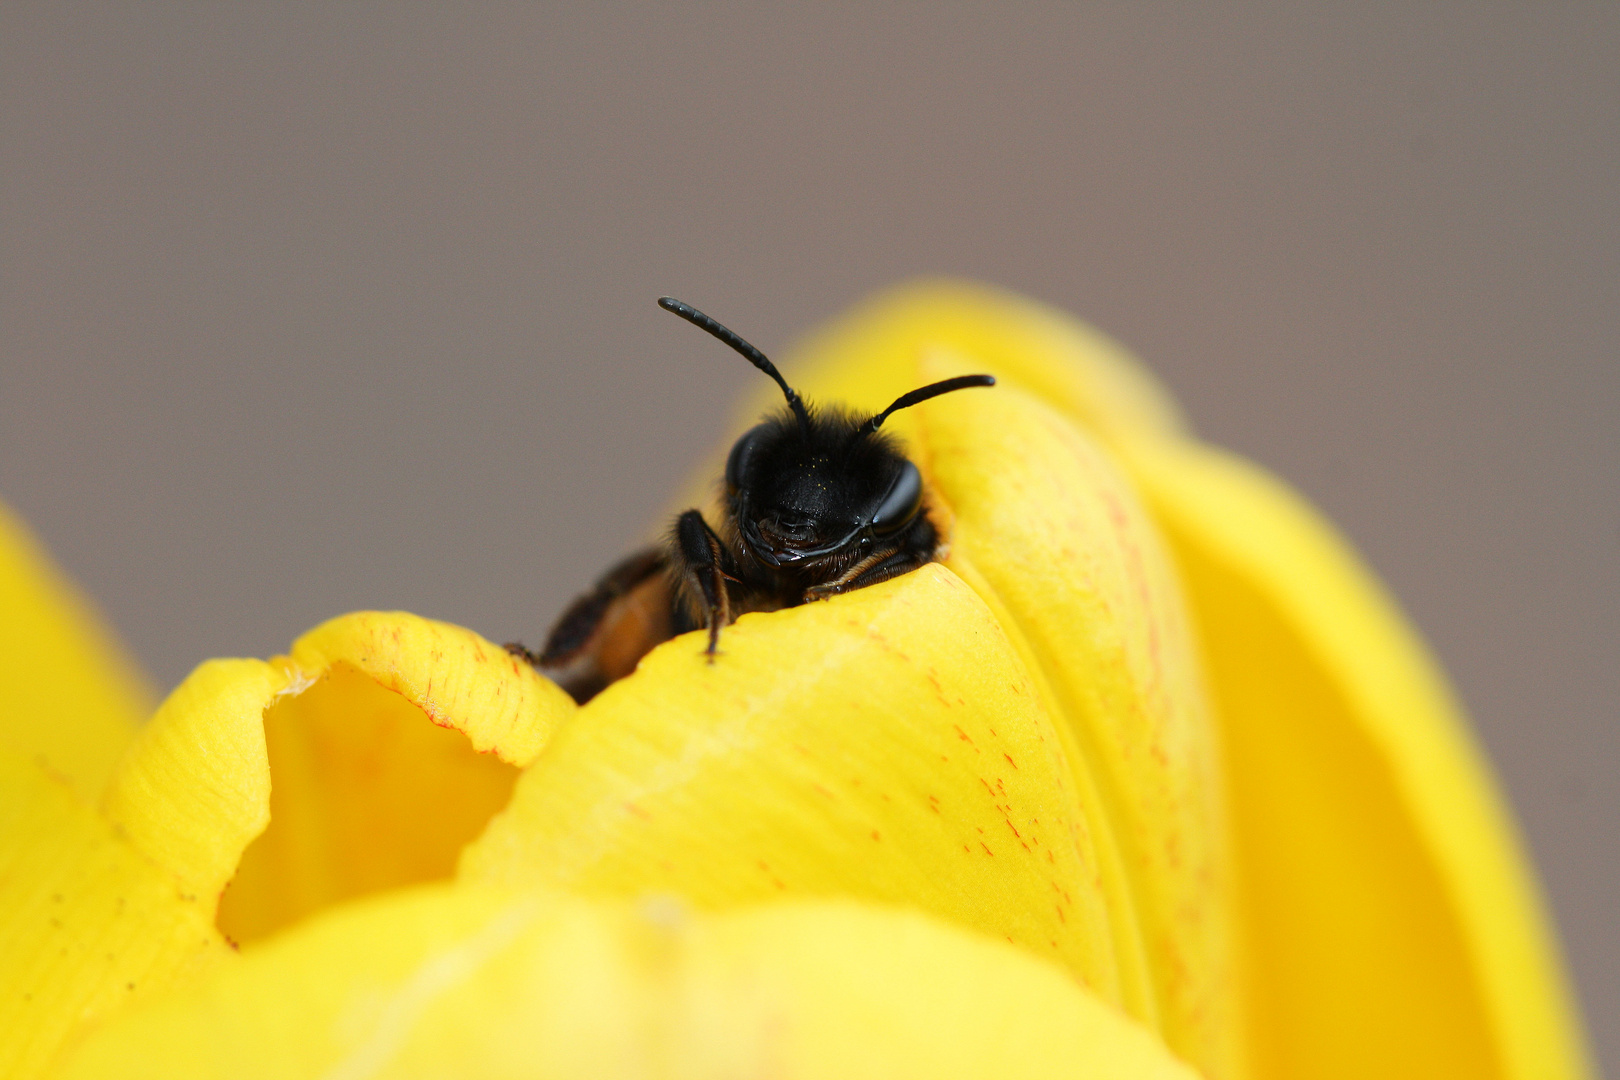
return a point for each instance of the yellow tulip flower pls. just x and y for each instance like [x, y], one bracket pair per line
[1145, 777]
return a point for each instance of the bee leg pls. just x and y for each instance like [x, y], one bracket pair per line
[854, 577]
[517, 649]
[705, 566]
[881, 565]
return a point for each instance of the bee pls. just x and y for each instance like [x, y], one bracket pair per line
[818, 501]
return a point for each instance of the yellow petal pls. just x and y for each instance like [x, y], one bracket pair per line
[317, 777]
[870, 356]
[1050, 534]
[1394, 925]
[885, 744]
[86, 923]
[473, 983]
[1044, 525]
[68, 695]
[456, 677]
[194, 788]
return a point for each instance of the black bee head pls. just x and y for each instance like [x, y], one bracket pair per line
[796, 499]
[805, 486]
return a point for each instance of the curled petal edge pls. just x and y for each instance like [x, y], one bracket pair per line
[194, 788]
[1387, 891]
[105, 903]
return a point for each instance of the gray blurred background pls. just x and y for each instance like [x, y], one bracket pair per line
[307, 308]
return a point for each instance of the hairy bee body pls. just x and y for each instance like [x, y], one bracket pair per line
[817, 502]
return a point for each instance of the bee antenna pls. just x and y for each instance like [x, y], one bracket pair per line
[932, 390]
[751, 354]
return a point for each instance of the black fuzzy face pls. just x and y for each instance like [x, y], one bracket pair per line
[797, 497]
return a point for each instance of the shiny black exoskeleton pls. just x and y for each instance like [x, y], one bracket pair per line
[817, 502]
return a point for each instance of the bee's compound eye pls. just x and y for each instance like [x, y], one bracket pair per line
[737, 463]
[901, 503]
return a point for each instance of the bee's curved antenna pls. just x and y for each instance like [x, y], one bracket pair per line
[921, 394]
[751, 354]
